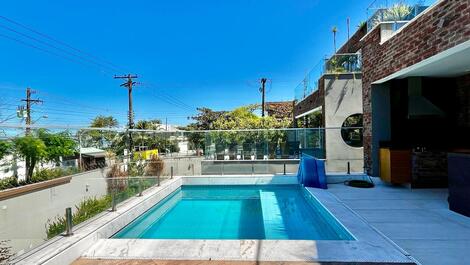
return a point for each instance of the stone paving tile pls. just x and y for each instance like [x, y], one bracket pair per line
[419, 221]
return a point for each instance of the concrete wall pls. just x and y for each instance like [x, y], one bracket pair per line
[247, 167]
[23, 219]
[343, 97]
[182, 166]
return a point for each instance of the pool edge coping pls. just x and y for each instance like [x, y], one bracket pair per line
[86, 239]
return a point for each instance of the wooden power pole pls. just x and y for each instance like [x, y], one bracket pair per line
[129, 84]
[29, 103]
[263, 97]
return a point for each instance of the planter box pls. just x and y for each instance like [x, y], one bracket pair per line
[18, 191]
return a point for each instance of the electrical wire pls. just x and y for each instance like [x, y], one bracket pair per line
[49, 37]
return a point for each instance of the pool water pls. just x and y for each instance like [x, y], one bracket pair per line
[237, 212]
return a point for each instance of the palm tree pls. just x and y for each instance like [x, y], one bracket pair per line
[334, 30]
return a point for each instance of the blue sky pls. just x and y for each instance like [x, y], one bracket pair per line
[187, 54]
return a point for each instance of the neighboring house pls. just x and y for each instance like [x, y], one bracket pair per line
[334, 91]
[9, 166]
[280, 110]
[92, 158]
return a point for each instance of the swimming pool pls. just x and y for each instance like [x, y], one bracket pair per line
[284, 212]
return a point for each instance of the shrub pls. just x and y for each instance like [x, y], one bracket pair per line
[116, 179]
[154, 166]
[8, 183]
[84, 211]
[52, 173]
[39, 175]
[5, 252]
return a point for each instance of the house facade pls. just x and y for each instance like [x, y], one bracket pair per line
[416, 92]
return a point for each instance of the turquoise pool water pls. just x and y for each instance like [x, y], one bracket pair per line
[237, 212]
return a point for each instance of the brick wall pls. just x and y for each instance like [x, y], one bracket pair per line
[314, 100]
[354, 43]
[444, 26]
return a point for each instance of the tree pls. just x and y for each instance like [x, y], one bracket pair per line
[32, 150]
[334, 30]
[5, 148]
[99, 138]
[245, 118]
[57, 145]
[104, 122]
[205, 118]
[148, 124]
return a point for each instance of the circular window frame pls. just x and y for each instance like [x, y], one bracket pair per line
[348, 129]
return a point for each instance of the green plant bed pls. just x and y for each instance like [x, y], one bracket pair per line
[84, 211]
[93, 206]
[39, 176]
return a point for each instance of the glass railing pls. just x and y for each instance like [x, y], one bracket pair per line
[337, 64]
[344, 63]
[397, 12]
[91, 171]
[310, 82]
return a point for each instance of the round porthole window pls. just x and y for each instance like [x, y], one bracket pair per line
[351, 130]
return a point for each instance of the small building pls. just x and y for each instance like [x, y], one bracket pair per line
[92, 158]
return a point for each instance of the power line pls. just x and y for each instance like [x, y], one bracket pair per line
[58, 48]
[49, 37]
[46, 51]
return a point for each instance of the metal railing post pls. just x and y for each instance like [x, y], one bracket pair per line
[113, 201]
[158, 179]
[349, 168]
[252, 168]
[68, 221]
[140, 187]
[284, 168]
[171, 172]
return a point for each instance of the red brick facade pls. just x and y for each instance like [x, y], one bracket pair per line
[444, 26]
[314, 100]
[354, 43]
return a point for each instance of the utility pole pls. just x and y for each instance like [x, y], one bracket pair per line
[263, 92]
[29, 103]
[129, 84]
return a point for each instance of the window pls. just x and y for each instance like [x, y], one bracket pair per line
[351, 130]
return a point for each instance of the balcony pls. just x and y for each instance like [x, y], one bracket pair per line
[395, 14]
[337, 64]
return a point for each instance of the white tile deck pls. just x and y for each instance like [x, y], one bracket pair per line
[419, 220]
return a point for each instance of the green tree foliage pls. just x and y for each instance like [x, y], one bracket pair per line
[98, 138]
[245, 118]
[148, 124]
[32, 150]
[313, 120]
[5, 148]
[205, 119]
[57, 145]
[104, 122]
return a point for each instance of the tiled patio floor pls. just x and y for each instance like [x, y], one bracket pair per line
[419, 221]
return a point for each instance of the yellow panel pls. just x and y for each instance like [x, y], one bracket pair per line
[385, 169]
